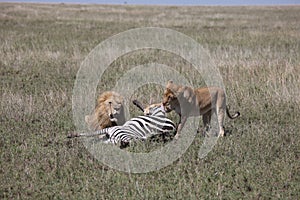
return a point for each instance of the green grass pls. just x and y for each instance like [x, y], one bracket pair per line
[257, 50]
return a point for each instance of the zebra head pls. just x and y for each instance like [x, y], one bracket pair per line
[151, 110]
[155, 110]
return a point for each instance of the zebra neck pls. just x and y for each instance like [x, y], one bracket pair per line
[159, 113]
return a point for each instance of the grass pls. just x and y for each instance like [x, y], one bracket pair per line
[255, 48]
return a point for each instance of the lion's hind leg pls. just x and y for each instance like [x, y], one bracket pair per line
[220, 114]
[206, 118]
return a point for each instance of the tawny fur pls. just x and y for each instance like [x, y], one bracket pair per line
[186, 101]
[109, 111]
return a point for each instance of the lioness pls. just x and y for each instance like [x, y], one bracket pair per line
[109, 111]
[187, 101]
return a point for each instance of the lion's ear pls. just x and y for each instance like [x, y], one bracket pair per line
[173, 87]
[169, 84]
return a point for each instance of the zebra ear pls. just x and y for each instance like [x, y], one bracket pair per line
[138, 104]
[87, 119]
[150, 101]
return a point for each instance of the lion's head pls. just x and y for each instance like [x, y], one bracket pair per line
[109, 111]
[173, 93]
[170, 101]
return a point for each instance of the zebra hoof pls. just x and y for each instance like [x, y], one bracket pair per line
[72, 135]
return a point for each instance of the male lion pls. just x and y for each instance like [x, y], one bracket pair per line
[109, 111]
[187, 101]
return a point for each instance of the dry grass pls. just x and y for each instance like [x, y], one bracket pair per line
[256, 49]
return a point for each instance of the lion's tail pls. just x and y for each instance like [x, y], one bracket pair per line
[237, 114]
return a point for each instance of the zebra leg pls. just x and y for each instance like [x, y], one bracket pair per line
[73, 135]
[101, 132]
[124, 144]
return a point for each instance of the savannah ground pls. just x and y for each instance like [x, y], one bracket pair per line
[257, 50]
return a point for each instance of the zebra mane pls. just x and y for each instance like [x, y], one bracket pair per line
[158, 111]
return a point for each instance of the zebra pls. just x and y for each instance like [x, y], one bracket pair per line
[153, 122]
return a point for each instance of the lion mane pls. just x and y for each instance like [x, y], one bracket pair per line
[108, 112]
